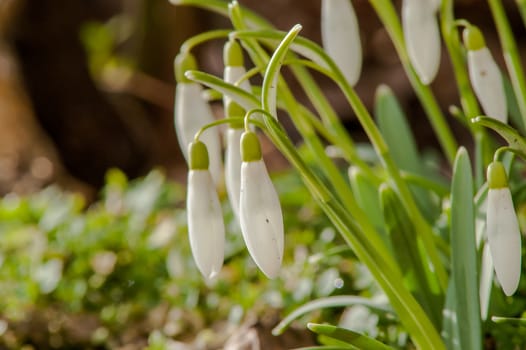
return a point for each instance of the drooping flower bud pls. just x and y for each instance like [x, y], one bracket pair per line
[340, 35]
[234, 68]
[503, 231]
[260, 210]
[422, 37]
[191, 113]
[206, 229]
[485, 75]
[233, 157]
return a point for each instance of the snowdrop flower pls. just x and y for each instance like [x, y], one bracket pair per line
[422, 37]
[192, 112]
[206, 229]
[503, 231]
[340, 36]
[233, 157]
[234, 68]
[260, 210]
[485, 76]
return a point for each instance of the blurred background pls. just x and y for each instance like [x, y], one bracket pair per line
[87, 85]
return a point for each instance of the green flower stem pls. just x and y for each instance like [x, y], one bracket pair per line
[221, 7]
[216, 123]
[468, 99]
[521, 4]
[450, 35]
[381, 149]
[511, 54]
[316, 96]
[201, 38]
[388, 16]
[401, 186]
[341, 188]
[422, 331]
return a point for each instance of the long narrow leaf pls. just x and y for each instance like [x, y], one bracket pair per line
[243, 98]
[397, 133]
[270, 81]
[514, 139]
[464, 254]
[335, 301]
[414, 266]
[353, 338]
[393, 125]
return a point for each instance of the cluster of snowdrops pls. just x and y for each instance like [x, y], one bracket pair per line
[454, 270]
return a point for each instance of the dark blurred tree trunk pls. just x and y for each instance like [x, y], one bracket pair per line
[89, 134]
[28, 159]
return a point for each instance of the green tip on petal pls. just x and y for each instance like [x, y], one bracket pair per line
[497, 177]
[198, 156]
[184, 62]
[232, 54]
[473, 38]
[234, 110]
[250, 147]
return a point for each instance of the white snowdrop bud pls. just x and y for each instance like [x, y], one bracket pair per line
[485, 76]
[191, 113]
[206, 229]
[340, 35]
[233, 157]
[260, 210]
[234, 68]
[503, 231]
[422, 37]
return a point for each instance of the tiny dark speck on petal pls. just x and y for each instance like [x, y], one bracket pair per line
[266, 220]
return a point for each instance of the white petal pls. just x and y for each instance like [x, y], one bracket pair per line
[504, 238]
[233, 167]
[206, 229]
[486, 80]
[231, 75]
[422, 37]
[340, 36]
[192, 112]
[261, 218]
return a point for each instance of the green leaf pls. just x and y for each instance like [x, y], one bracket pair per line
[464, 254]
[515, 141]
[243, 98]
[450, 324]
[513, 107]
[509, 320]
[323, 303]
[398, 136]
[418, 277]
[270, 79]
[353, 338]
[367, 196]
[396, 131]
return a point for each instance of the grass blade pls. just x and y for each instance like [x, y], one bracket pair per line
[353, 338]
[335, 301]
[464, 254]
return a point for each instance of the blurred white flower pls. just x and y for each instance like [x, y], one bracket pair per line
[422, 37]
[340, 35]
[48, 275]
[191, 113]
